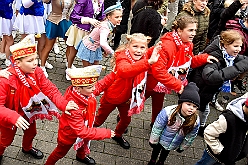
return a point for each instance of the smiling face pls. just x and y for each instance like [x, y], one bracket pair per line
[115, 17]
[200, 5]
[27, 64]
[234, 48]
[137, 48]
[188, 109]
[188, 33]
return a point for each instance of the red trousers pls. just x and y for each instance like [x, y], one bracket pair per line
[7, 136]
[106, 108]
[61, 150]
[157, 102]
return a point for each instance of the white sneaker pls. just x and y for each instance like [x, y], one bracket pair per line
[2, 56]
[72, 66]
[7, 62]
[67, 77]
[14, 34]
[218, 106]
[48, 65]
[56, 48]
[44, 70]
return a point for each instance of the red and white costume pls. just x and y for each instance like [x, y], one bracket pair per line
[11, 110]
[128, 74]
[77, 129]
[170, 72]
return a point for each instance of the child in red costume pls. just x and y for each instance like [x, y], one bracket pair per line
[76, 130]
[176, 58]
[27, 95]
[127, 90]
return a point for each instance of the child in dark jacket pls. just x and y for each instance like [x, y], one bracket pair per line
[226, 138]
[217, 76]
[176, 126]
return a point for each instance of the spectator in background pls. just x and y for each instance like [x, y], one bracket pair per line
[147, 20]
[199, 10]
[123, 27]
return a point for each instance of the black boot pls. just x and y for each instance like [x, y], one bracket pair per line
[118, 119]
[152, 162]
[122, 142]
[87, 160]
[34, 152]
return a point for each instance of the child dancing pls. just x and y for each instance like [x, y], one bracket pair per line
[176, 126]
[76, 129]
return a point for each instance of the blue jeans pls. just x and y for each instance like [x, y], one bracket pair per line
[207, 160]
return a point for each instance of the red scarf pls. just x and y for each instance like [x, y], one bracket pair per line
[34, 103]
[138, 91]
[181, 61]
[90, 103]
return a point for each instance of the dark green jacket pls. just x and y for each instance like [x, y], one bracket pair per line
[200, 38]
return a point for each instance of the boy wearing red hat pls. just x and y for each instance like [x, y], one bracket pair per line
[27, 95]
[77, 129]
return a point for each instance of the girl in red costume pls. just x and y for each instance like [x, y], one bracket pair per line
[76, 130]
[27, 95]
[129, 82]
[176, 58]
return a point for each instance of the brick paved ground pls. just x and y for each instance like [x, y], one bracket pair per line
[105, 152]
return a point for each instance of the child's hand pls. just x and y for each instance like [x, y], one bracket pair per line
[155, 55]
[112, 133]
[70, 106]
[22, 123]
[210, 59]
[5, 73]
[94, 22]
[181, 90]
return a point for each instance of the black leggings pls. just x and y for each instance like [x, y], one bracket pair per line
[155, 152]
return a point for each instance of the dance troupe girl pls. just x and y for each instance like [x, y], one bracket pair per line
[89, 49]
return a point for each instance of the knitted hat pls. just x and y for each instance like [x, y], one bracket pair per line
[113, 7]
[190, 94]
[84, 76]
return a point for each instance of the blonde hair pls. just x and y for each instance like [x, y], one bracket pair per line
[227, 37]
[130, 38]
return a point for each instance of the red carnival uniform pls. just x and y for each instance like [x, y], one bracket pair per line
[171, 70]
[11, 109]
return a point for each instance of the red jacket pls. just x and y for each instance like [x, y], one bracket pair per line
[72, 126]
[121, 89]
[10, 92]
[171, 54]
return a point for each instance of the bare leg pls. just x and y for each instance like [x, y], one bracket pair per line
[86, 63]
[71, 55]
[41, 44]
[3, 45]
[96, 63]
[9, 41]
[45, 52]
